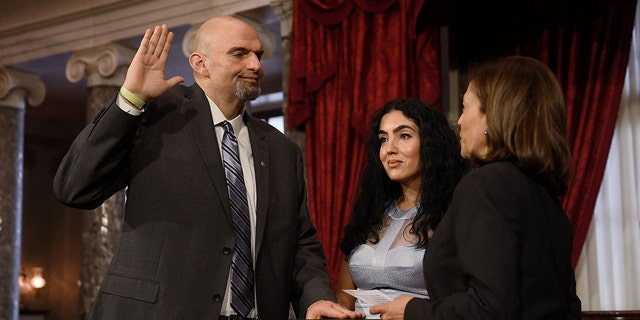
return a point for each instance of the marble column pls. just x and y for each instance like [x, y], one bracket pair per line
[16, 89]
[105, 68]
[284, 11]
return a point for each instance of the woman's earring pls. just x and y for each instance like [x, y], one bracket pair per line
[486, 133]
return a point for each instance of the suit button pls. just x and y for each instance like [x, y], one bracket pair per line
[227, 251]
[217, 298]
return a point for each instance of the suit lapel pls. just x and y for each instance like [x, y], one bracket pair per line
[199, 117]
[260, 150]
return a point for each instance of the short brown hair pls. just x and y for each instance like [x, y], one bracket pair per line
[526, 118]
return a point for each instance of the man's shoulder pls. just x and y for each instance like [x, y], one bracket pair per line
[269, 133]
[263, 127]
[178, 96]
[182, 91]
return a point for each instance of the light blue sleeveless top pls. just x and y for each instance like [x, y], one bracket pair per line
[394, 271]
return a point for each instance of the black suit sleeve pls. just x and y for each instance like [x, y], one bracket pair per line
[95, 167]
[310, 272]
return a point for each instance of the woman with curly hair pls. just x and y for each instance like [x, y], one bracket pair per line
[503, 250]
[413, 166]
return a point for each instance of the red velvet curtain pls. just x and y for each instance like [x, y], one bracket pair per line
[351, 56]
[348, 58]
[586, 43]
[589, 50]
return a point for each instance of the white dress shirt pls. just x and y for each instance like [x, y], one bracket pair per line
[241, 132]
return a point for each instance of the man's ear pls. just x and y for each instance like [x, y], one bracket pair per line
[198, 64]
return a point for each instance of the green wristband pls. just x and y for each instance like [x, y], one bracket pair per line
[131, 97]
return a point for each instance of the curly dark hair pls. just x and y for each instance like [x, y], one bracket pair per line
[441, 168]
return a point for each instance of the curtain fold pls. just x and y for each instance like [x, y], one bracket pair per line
[341, 71]
[594, 99]
[587, 45]
[608, 272]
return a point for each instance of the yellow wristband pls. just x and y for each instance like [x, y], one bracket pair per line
[131, 97]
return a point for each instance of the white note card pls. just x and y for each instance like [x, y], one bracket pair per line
[369, 297]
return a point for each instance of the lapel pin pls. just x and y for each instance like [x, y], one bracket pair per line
[262, 164]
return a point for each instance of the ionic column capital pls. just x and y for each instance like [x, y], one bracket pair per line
[284, 11]
[104, 65]
[18, 87]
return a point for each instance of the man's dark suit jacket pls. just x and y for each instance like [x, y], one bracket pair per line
[502, 251]
[174, 254]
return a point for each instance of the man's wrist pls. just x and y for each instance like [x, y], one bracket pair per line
[133, 99]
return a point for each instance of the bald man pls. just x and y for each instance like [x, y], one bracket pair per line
[162, 141]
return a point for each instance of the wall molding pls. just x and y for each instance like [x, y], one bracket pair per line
[104, 24]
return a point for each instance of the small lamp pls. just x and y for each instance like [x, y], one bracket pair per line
[37, 281]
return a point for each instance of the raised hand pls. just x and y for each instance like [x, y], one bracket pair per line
[145, 76]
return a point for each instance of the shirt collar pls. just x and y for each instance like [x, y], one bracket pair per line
[218, 117]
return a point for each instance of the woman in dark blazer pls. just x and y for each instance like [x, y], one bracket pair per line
[503, 249]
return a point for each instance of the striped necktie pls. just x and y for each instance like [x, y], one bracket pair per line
[241, 298]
